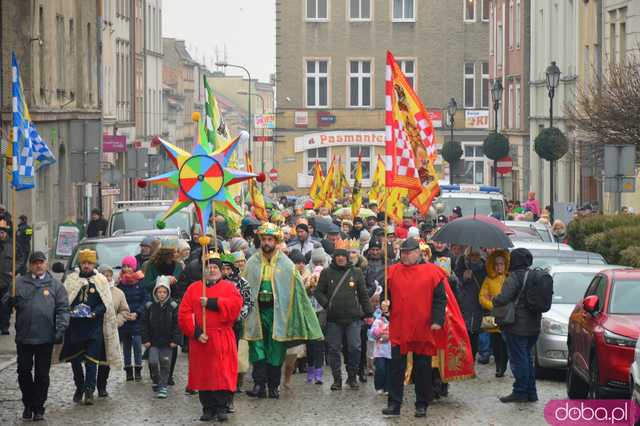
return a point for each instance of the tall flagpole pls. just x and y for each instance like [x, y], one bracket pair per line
[386, 243]
[13, 232]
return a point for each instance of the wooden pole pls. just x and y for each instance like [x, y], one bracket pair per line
[205, 263]
[386, 243]
[13, 232]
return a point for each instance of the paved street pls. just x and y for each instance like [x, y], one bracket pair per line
[470, 403]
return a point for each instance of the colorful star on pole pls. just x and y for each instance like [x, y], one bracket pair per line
[202, 176]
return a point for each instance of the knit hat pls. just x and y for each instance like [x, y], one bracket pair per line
[236, 244]
[87, 255]
[296, 256]
[413, 233]
[365, 236]
[162, 281]
[318, 255]
[105, 268]
[130, 261]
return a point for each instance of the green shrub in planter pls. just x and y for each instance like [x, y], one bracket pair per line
[551, 144]
[611, 243]
[597, 243]
[581, 228]
[451, 151]
[630, 257]
[496, 146]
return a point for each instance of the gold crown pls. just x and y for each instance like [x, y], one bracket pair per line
[348, 245]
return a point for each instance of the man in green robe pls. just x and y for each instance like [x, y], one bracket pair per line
[284, 316]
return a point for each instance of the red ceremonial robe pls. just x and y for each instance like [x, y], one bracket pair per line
[212, 365]
[411, 292]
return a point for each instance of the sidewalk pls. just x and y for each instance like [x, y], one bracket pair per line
[8, 348]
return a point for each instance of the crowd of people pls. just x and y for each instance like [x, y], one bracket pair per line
[304, 290]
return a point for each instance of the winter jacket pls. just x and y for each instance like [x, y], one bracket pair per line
[492, 285]
[467, 293]
[374, 275]
[152, 272]
[97, 228]
[42, 309]
[527, 323]
[160, 323]
[136, 297]
[351, 302]
[308, 245]
[119, 305]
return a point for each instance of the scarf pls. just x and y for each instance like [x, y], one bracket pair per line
[131, 278]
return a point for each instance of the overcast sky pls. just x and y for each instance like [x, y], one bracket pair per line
[245, 27]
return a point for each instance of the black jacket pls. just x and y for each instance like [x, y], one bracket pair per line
[351, 302]
[374, 275]
[97, 228]
[467, 293]
[160, 323]
[527, 322]
[42, 309]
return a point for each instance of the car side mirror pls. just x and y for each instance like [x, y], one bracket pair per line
[58, 268]
[590, 303]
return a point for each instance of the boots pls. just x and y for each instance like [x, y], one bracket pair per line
[258, 391]
[77, 396]
[274, 393]
[138, 374]
[88, 397]
[337, 383]
[318, 376]
[311, 373]
[352, 381]
[129, 372]
[391, 410]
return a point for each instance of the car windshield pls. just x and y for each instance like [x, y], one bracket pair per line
[569, 287]
[109, 253]
[140, 220]
[624, 297]
[545, 261]
[527, 233]
[469, 206]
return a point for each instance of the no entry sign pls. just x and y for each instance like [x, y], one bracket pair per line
[504, 166]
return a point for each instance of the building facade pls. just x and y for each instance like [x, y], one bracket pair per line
[554, 26]
[509, 47]
[55, 42]
[330, 79]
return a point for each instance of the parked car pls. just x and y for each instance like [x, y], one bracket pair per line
[634, 373]
[478, 199]
[603, 332]
[132, 216]
[166, 233]
[569, 284]
[529, 231]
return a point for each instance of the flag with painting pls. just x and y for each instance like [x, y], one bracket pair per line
[29, 151]
[410, 148]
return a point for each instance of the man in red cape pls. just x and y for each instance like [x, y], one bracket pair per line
[213, 355]
[417, 317]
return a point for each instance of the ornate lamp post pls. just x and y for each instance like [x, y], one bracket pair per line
[496, 94]
[452, 107]
[553, 79]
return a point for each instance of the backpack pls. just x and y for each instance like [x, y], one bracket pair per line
[539, 291]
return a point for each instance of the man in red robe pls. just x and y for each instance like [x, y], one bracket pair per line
[213, 355]
[416, 314]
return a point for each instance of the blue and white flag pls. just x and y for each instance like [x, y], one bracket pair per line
[30, 151]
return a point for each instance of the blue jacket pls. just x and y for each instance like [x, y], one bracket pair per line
[136, 297]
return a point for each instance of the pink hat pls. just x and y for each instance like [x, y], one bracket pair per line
[130, 261]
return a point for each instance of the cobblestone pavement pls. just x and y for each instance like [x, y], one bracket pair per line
[472, 402]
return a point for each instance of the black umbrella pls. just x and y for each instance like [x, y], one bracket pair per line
[281, 188]
[470, 231]
[325, 225]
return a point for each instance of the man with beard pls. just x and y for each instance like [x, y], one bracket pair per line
[358, 225]
[413, 323]
[283, 312]
[303, 241]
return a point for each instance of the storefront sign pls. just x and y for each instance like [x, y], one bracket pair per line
[339, 138]
[301, 119]
[114, 143]
[436, 118]
[325, 119]
[476, 119]
[265, 121]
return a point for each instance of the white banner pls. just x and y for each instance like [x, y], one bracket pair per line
[339, 138]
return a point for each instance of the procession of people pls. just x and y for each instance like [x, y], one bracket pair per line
[331, 295]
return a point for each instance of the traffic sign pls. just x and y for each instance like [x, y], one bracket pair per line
[504, 166]
[273, 175]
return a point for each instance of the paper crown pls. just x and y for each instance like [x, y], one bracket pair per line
[270, 229]
[227, 258]
[347, 245]
[87, 255]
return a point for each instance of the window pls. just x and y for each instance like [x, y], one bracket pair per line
[404, 10]
[492, 35]
[360, 10]
[485, 10]
[317, 75]
[473, 164]
[500, 46]
[517, 28]
[612, 42]
[317, 10]
[408, 67]
[360, 83]
[469, 85]
[518, 110]
[511, 21]
[509, 107]
[623, 42]
[485, 85]
[365, 153]
[317, 154]
[60, 50]
[89, 58]
[470, 10]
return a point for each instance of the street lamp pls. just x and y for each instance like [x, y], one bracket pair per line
[553, 80]
[259, 96]
[226, 64]
[496, 94]
[452, 107]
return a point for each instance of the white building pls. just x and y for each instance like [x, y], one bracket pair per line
[553, 38]
[153, 67]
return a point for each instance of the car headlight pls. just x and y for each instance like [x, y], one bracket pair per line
[618, 340]
[556, 328]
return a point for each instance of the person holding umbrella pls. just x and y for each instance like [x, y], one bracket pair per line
[471, 273]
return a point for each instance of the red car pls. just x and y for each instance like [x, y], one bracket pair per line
[603, 330]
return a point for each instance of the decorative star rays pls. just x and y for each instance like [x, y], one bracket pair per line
[202, 176]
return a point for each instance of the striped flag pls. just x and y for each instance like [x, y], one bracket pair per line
[217, 132]
[356, 193]
[30, 152]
